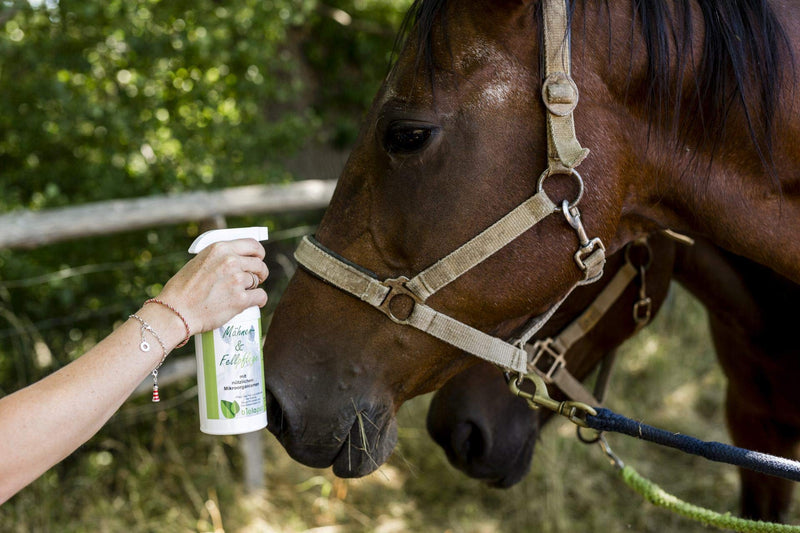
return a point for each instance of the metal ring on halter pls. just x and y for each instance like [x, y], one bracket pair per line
[255, 281]
[641, 243]
[572, 172]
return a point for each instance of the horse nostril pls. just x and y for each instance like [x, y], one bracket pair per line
[468, 442]
[274, 414]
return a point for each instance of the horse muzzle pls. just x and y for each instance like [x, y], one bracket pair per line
[485, 432]
[354, 439]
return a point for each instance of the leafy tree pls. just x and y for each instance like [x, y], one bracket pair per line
[128, 98]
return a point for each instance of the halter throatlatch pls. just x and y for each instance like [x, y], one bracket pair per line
[564, 154]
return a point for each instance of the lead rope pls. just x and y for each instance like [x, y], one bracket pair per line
[661, 498]
[585, 416]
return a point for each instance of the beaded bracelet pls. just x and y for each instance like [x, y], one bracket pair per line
[185, 324]
[145, 347]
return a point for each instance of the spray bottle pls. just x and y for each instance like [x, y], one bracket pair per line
[230, 372]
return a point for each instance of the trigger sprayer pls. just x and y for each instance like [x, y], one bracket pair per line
[230, 371]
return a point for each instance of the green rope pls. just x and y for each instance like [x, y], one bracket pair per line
[657, 496]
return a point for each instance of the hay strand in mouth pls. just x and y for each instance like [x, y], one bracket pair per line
[365, 448]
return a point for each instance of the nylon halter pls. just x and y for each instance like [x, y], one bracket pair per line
[403, 299]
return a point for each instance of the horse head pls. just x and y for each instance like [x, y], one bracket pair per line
[455, 141]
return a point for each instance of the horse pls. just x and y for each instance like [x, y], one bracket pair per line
[446, 222]
[490, 435]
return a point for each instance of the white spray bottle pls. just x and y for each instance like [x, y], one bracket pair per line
[230, 372]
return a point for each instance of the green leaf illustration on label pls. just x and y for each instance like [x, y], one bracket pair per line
[229, 409]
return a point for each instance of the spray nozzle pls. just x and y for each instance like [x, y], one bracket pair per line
[258, 233]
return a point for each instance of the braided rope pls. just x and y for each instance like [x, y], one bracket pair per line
[607, 420]
[658, 496]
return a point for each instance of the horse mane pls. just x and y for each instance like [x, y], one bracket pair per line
[745, 51]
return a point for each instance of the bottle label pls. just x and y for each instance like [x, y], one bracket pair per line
[233, 371]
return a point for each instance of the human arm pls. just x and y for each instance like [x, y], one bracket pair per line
[48, 420]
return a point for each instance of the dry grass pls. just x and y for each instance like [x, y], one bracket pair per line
[159, 473]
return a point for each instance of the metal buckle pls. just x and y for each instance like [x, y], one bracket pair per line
[560, 94]
[587, 250]
[397, 287]
[643, 308]
[586, 246]
[576, 412]
[547, 347]
[570, 172]
[643, 253]
[642, 311]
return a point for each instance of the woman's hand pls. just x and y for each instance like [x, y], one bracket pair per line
[219, 283]
[52, 417]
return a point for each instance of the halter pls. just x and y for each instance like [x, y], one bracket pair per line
[403, 299]
[547, 356]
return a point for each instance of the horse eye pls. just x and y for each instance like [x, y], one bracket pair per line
[405, 138]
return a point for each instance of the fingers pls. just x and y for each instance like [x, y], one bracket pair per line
[244, 247]
[235, 256]
[257, 267]
[244, 259]
[220, 282]
[244, 288]
[256, 297]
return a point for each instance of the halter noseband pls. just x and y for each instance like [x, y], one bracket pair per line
[564, 154]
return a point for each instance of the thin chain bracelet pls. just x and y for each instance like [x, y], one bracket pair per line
[145, 347]
[185, 324]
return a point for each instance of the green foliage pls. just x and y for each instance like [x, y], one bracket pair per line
[119, 99]
[365, 54]
[116, 99]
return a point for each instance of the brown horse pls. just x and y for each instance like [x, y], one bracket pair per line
[679, 102]
[489, 435]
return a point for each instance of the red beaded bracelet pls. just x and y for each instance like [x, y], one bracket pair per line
[185, 324]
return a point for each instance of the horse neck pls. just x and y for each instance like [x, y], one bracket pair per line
[672, 178]
[741, 208]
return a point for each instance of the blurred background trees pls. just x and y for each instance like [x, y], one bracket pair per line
[129, 98]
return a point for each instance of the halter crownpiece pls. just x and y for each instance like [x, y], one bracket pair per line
[559, 91]
[564, 154]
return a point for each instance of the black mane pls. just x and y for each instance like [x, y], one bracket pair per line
[745, 54]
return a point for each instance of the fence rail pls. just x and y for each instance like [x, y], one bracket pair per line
[30, 229]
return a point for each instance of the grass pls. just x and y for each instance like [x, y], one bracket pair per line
[154, 471]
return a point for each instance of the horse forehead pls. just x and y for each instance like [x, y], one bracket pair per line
[492, 73]
[479, 52]
[504, 76]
